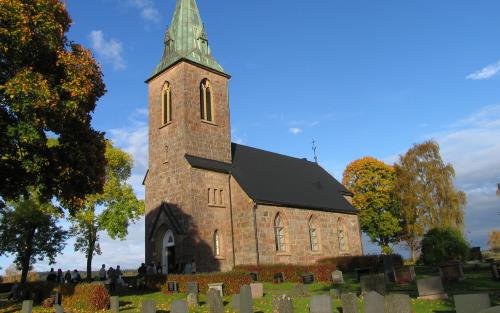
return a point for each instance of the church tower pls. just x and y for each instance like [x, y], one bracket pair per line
[188, 118]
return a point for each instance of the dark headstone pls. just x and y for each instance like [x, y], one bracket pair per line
[337, 277]
[214, 299]
[308, 278]
[403, 275]
[179, 306]
[172, 286]
[279, 277]
[148, 306]
[27, 306]
[362, 272]
[373, 282]
[475, 254]
[349, 303]
[192, 300]
[282, 304]
[114, 304]
[320, 304]
[58, 298]
[254, 276]
[235, 302]
[388, 263]
[335, 293]
[452, 271]
[374, 302]
[431, 288]
[472, 303]
[397, 303]
[246, 303]
[192, 287]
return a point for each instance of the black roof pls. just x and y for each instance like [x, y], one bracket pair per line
[273, 178]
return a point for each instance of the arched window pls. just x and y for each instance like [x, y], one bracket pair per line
[217, 243]
[206, 101]
[166, 104]
[279, 233]
[313, 235]
[342, 235]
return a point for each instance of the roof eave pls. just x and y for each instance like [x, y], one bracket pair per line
[296, 206]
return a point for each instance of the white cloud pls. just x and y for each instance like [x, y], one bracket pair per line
[148, 10]
[295, 130]
[109, 51]
[486, 72]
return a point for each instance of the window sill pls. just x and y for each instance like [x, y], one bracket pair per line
[219, 257]
[208, 122]
[165, 125]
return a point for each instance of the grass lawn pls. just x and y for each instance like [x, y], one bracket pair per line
[477, 280]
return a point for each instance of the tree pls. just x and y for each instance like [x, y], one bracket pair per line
[110, 211]
[427, 196]
[372, 182]
[48, 87]
[494, 240]
[443, 244]
[29, 231]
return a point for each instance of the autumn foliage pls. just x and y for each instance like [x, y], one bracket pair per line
[292, 273]
[494, 240]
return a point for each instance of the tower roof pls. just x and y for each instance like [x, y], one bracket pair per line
[186, 39]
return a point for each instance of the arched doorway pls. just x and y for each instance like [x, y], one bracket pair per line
[168, 252]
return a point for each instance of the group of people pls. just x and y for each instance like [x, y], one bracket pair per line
[70, 277]
[113, 276]
[151, 269]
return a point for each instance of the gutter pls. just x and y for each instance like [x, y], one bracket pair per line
[231, 216]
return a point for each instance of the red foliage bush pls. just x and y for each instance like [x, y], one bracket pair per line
[350, 263]
[232, 281]
[293, 273]
[87, 297]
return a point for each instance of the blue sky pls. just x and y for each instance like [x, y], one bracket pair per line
[361, 78]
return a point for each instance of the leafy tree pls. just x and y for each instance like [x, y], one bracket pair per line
[372, 182]
[443, 244]
[494, 240]
[428, 198]
[48, 86]
[29, 231]
[110, 211]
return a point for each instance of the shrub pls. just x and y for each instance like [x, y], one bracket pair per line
[86, 297]
[443, 244]
[350, 263]
[232, 281]
[293, 273]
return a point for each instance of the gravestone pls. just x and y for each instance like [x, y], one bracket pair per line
[495, 272]
[320, 304]
[254, 276]
[494, 309]
[452, 272]
[388, 263]
[431, 289]
[403, 275]
[58, 298]
[308, 278]
[374, 302]
[475, 254]
[179, 306]
[397, 303]
[362, 272]
[300, 290]
[218, 287]
[192, 287]
[246, 303]
[214, 299]
[192, 300]
[114, 304]
[27, 306]
[335, 293]
[235, 302]
[337, 277]
[349, 303]
[282, 304]
[257, 290]
[472, 303]
[58, 308]
[148, 306]
[374, 282]
[412, 272]
[279, 278]
[172, 286]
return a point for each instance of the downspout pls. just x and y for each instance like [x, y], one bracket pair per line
[231, 215]
[256, 235]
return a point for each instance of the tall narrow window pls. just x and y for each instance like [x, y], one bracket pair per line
[216, 243]
[313, 235]
[279, 233]
[206, 101]
[166, 104]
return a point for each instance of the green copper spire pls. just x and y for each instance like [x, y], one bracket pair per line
[186, 39]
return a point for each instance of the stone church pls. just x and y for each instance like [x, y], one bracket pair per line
[221, 204]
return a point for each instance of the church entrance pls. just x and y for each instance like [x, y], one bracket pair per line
[168, 252]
